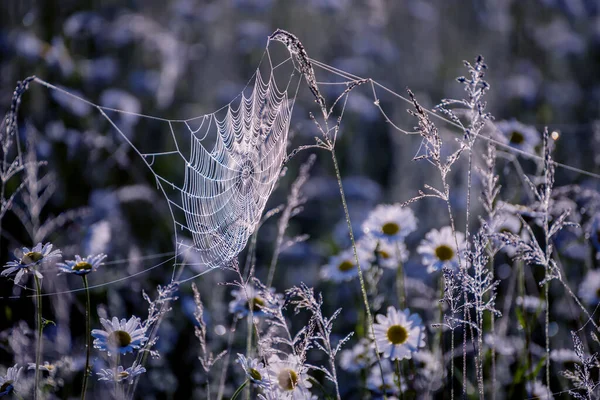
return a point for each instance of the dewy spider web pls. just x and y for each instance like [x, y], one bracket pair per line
[231, 160]
[232, 157]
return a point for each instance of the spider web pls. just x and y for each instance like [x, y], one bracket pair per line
[231, 160]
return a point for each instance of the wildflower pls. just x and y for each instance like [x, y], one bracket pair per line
[430, 371]
[123, 336]
[507, 222]
[390, 223]
[507, 346]
[342, 267]
[8, 381]
[255, 371]
[519, 136]
[537, 390]
[564, 356]
[123, 375]
[438, 249]
[258, 303]
[28, 259]
[81, 266]
[589, 290]
[389, 255]
[359, 357]
[46, 367]
[399, 334]
[289, 376]
[531, 304]
[385, 385]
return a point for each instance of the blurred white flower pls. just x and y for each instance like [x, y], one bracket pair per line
[239, 304]
[122, 375]
[438, 249]
[289, 376]
[537, 390]
[255, 371]
[589, 289]
[342, 267]
[389, 255]
[386, 384]
[390, 222]
[517, 135]
[8, 381]
[358, 357]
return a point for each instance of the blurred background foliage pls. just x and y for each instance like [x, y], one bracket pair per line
[182, 58]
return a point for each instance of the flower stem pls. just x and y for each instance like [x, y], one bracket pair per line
[239, 390]
[38, 351]
[86, 370]
[360, 274]
[400, 287]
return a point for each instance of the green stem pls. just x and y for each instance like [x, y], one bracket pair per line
[399, 374]
[360, 274]
[86, 370]
[38, 351]
[400, 287]
[239, 390]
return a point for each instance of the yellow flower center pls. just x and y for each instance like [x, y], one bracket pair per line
[383, 254]
[5, 386]
[254, 374]
[287, 379]
[397, 334]
[444, 252]
[346, 266]
[390, 228]
[256, 304]
[119, 339]
[31, 257]
[123, 374]
[516, 137]
[82, 266]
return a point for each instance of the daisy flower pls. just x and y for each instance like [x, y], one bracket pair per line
[564, 356]
[386, 384]
[28, 259]
[289, 376]
[8, 381]
[81, 266]
[589, 290]
[255, 371]
[438, 249]
[531, 304]
[430, 372]
[342, 267]
[122, 336]
[123, 375]
[359, 357]
[519, 136]
[507, 222]
[399, 334]
[48, 367]
[390, 222]
[259, 304]
[389, 255]
[537, 390]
